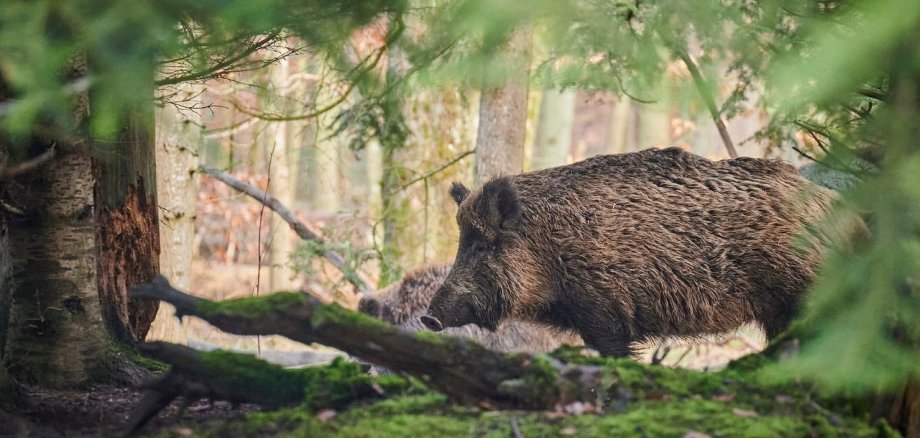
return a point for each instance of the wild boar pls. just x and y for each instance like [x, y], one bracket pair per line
[625, 248]
[403, 303]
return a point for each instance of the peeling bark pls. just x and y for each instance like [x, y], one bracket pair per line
[128, 242]
[128, 245]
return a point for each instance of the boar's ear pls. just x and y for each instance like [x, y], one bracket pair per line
[503, 206]
[459, 192]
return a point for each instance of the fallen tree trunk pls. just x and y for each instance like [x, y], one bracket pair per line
[456, 367]
[243, 378]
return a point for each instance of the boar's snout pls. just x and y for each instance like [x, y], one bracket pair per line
[433, 324]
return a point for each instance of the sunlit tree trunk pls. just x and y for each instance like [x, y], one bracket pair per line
[503, 116]
[178, 140]
[554, 128]
[283, 174]
[618, 137]
[56, 330]
[392, 139]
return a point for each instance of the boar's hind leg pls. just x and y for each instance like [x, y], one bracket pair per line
[777, 320]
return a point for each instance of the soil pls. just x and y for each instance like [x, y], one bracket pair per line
[103, 410]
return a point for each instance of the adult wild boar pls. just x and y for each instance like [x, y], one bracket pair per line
[623, 248]
[403, 303]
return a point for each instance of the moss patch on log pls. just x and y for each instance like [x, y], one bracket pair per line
[254, 307]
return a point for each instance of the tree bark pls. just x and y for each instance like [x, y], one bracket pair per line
[554, 128]
[56, 334]
[283, 177]
[503, 116]
[127, 232]
[178, 138]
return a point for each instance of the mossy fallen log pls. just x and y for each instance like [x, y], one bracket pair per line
[456, 367]
[243, 378]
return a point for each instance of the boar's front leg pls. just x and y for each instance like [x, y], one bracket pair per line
[607, 341]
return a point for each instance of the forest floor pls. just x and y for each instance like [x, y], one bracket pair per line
[649, 401]
[103, 411]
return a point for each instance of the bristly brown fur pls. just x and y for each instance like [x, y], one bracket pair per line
[404, 302]
[623, 248]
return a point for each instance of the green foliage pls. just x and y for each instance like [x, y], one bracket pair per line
[862, 324]
[52, 52]
[309, 251]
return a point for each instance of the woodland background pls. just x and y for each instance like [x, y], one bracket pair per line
[357, 116]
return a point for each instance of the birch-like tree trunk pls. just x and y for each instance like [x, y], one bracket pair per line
[554, 128]
[618, 136]
[503, 116]
[56, 334]
[283, 173]
[178, 140]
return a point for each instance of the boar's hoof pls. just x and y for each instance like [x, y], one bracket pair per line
[432, 323]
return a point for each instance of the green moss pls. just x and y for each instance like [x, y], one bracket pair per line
[649, 401]
[132, 355]
[254, 307]
[335, 385]
[333, 312]
[432, 414]
[250, 375]
[542, 381]
[431, 337]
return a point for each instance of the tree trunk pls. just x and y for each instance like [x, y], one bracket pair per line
[127, 233]
[178, 138]
[392, 138]
[503, 117]
[618, 137]
[554, 128]
[8, 389]
[283, 174]
[56, 334]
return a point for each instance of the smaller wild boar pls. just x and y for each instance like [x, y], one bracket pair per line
[630, 247]
[403, 303]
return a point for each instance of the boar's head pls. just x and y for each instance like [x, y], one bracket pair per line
[493, 260]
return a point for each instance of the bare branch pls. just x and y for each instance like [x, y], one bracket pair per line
[710, 102]
[363, 66]
[438, 170]
[361, 283]
[28, 165]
